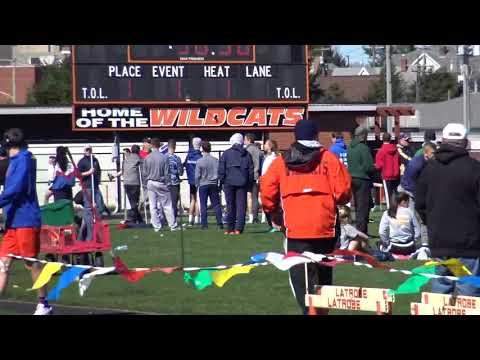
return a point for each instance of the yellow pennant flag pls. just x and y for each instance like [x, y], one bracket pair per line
[48, 270]
[222, 276]
[456, 267]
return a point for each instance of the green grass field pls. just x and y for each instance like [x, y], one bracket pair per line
[264, 291]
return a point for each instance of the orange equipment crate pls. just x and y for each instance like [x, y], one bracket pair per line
[63, 239]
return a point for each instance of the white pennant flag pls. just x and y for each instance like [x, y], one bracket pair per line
[315, 257]
[87, 279]
[282, 263]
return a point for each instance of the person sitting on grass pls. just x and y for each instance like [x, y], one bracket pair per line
[350, 237]
[399, 227]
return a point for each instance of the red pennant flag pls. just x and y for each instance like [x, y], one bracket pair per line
[368, 258]
[129, 275]
[166, 270]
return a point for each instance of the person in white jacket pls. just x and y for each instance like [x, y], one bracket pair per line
[399, 228]
[271, 152]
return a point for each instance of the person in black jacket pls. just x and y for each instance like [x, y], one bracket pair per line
[235, 173]
[447, 197]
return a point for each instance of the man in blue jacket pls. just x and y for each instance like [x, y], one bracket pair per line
[413, 171]
[20, 206]
[339, 148]
[194, 154]
[235, 173]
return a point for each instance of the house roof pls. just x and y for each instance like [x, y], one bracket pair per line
[437, 115]
[355, 88]
[356, 71]
[435, 52]
[34, 110]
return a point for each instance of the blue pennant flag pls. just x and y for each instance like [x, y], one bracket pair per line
[64, 281]
[470, 280]
[258, 258]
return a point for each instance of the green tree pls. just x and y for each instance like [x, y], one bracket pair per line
[54, 87]
[435, 87]
[334, 94]
[380, 52]
[330, 55]
[378, 90]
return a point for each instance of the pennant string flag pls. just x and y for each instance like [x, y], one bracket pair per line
[200, 281]
[87, 279]
[455, 266]
[129, 275]
[221, 277]
[283, 263]
[258, 258]
[166, 270]
[67, 278]
[470, 280]
[368, 258]
[47, 272]
[415, 282]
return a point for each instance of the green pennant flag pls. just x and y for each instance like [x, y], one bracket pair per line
[415, 283]
[200, 281]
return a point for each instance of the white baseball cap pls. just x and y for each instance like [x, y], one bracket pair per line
[88, 147]
[454, 131]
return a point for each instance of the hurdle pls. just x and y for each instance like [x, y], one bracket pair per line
[443, 304]
[351, 298]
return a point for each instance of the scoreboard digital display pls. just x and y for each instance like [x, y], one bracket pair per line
[192, 53]
[200, 76]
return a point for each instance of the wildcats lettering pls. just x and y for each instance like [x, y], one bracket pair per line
[234, 117]
[182, 117]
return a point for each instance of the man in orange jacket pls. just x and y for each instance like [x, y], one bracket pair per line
[308, 182]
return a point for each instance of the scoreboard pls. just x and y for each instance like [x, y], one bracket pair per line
[192, 86]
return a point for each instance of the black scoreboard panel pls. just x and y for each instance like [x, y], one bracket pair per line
[190, 74]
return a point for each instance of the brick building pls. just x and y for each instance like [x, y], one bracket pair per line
[24, 80]
[330, 118]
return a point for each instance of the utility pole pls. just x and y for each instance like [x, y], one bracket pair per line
[388, 86]
[420, 70]
[14, 76]
[466, 92]
[417, 86]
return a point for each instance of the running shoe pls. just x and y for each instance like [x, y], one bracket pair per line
[43, 310]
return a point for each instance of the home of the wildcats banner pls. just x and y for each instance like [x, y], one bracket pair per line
[91, 117]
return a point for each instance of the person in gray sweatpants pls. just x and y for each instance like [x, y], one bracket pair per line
[157, 175]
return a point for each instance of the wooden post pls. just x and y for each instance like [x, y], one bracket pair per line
[397, 126]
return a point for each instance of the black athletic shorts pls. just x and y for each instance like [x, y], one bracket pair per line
[193, 190]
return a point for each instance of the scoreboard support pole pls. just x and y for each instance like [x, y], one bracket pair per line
[116, 140]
